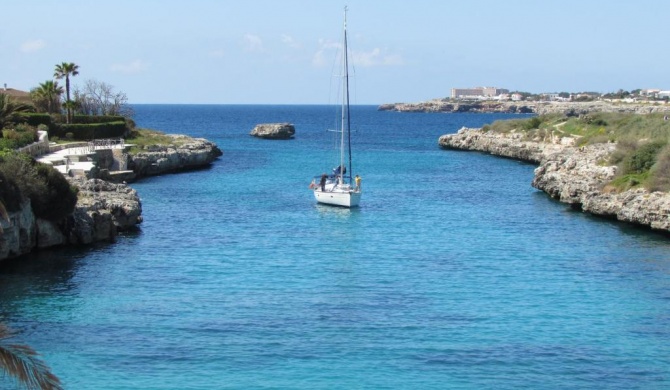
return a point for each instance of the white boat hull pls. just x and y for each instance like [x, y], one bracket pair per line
[338, 198]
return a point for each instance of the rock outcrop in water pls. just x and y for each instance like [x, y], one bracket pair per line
[574, 175]
[274, 131]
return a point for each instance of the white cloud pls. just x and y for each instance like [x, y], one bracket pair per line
[32, 46]
[253, 43]
[136, 66]
[319, 59]
[290, 42]
[376, 57]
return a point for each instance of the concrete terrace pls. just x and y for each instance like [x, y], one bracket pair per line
[77, 158]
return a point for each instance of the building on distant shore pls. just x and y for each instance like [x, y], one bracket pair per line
[477, 92]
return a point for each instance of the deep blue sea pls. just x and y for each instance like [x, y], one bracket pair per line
[453, 274]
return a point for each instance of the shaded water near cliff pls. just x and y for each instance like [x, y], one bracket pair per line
[453, 273]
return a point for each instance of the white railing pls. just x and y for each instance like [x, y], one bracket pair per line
[37, 148]
[110, 143]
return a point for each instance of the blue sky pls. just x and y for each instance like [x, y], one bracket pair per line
[283, 51]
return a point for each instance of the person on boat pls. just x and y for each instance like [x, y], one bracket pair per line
[322, 183]
[357, 180]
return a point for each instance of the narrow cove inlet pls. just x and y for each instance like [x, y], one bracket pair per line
[454, 272]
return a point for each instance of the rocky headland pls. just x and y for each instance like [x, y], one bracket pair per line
[184, 153]
[523, 107]
[103, 208]
[578, 176]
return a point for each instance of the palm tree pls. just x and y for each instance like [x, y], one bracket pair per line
[67, 69]
[46, 97]
[9, 108]
[23, 364]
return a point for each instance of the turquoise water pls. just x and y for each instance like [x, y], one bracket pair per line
[453, 273]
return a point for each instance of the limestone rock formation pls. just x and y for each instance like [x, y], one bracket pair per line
[102, 210]
[274, 131]
[574, 175]
[183, 154]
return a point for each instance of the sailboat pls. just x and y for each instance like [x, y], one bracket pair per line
[338, 188]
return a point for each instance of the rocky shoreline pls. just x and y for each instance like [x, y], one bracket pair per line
[540, 108]
[573, 175]
[185, 153]
[103, 208]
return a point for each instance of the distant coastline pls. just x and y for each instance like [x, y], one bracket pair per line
[525, 107]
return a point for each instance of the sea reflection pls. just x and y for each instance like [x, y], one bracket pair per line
[44, 272]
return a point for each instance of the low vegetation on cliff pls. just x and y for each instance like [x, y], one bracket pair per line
[143, 138]
[643, 142]
[21, 178]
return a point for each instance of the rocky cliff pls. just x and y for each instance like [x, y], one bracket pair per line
[102, 210]
[567, 108]
[574, 175]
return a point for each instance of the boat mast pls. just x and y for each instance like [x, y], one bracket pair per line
[346, 118]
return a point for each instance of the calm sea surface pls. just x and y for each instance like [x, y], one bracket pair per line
[453, 273]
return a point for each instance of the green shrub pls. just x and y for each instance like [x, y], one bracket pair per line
[642, 159]
[660, 173]
[36, 119]
[532, 123]
[641, 154]
[144, 137]
[17, 169]
[10, 193]
[624, 147]
[22, 177]
[20, 136]
[628, 181]
[91, 130]
[91, 119]
[58, 199]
